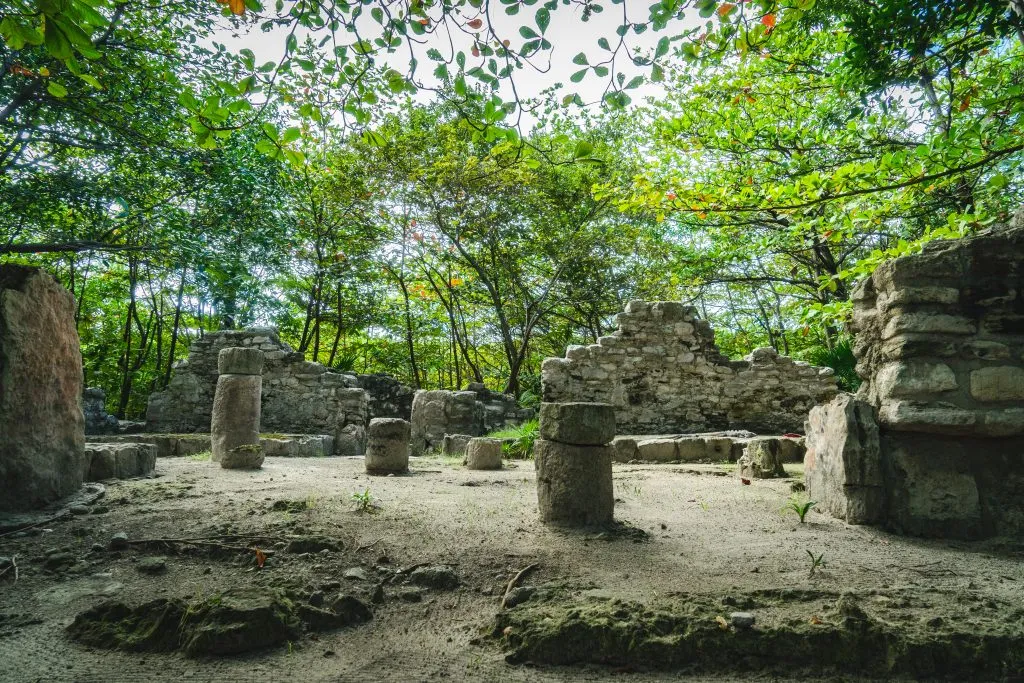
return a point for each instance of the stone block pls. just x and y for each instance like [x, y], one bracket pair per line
[920, 322]
[843, 463]
[244, 457]
[42, 428]
[999, 383]
[691, 448]
[657, 450]
[455, 444]
[930, 488]
[624, 449]
[574, 484]
[934, 417]
[483, 453]
[761, 459]
[387, 447]
[240, 360]
[719, 449]
[582, 424]
[912, 378]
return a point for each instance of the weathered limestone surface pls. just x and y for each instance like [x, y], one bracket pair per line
[297, 397]
[574, 484]
[455, 444]
[706, 447]
[119, 460]
[582, 424]
[236, 408]
[97, 421]
[663, 374]
[42, 429]
[761, 459]
[843, 464]
[939, 344]
[476, 411]
[483, 454]
[387, 448]
[274, 445]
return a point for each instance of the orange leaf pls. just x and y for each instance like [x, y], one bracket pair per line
[768, 20]
[670, 196]
[475, 23]
[725, 8]
[966, 103]
[424, 22]
[261, 558]
[745, 481]
[816, 620]
[237, 6]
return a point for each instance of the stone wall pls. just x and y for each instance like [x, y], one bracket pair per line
[663, 374]
[97, 421]
[298, 396]
[42, 430]
[473, 412]
[939, 344]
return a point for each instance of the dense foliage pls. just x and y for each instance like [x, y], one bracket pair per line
[178, 187]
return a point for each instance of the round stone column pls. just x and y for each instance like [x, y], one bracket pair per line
[235, 423]
[574, 464]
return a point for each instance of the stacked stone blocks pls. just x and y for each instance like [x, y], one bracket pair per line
[663, 374]
[235, 425]
[574, 475]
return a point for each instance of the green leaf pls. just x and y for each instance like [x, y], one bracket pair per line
[527, 32]
[603, 44]
[583, 149]
[56, 89]
[635, 82]
[543, 18]
[662, 48]
[581, 59]
[291, 134]
[578, 76]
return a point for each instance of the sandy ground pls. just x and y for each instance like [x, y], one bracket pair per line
[707, 534]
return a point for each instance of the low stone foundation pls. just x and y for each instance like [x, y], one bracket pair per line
[708, 447]
[119, 460]
[274, 445]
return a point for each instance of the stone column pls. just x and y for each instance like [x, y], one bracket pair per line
[574, 464]
[387, 448]
[483, 453]
[235, 425]
[42, 430]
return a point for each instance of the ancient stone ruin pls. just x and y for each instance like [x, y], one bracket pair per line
[574, 464]
[42, 429]
[97, 421]
[483, 453]
[235, 425]
[297, 396]
[438, 413]
[933, 444]
[387, 450]
[663, 373]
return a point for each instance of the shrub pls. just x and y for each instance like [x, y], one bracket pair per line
[518, 441]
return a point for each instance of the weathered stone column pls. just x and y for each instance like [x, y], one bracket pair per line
[42, 430]
[483, 453]
[387, 447]
[574, 464]
[235, 425]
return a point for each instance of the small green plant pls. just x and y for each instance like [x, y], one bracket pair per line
[200, 457]
[364, 502]
[703, 505]
[800, 506]
[517, 442]
[816, 562]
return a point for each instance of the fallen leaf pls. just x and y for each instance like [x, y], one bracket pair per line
[722, 623]
[816, 620]
[746, 482]
[261, 558]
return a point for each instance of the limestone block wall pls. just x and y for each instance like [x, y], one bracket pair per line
[473, 412]
[298, 396]
[940, 346]
[663, 373]
[940, 337]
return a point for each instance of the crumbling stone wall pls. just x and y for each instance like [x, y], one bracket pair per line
[42, 429]
[939, 344]
[473, 412]
[297, 396]
[663, 374]
[97, 421]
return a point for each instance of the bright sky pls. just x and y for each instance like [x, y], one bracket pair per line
[567, 32]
